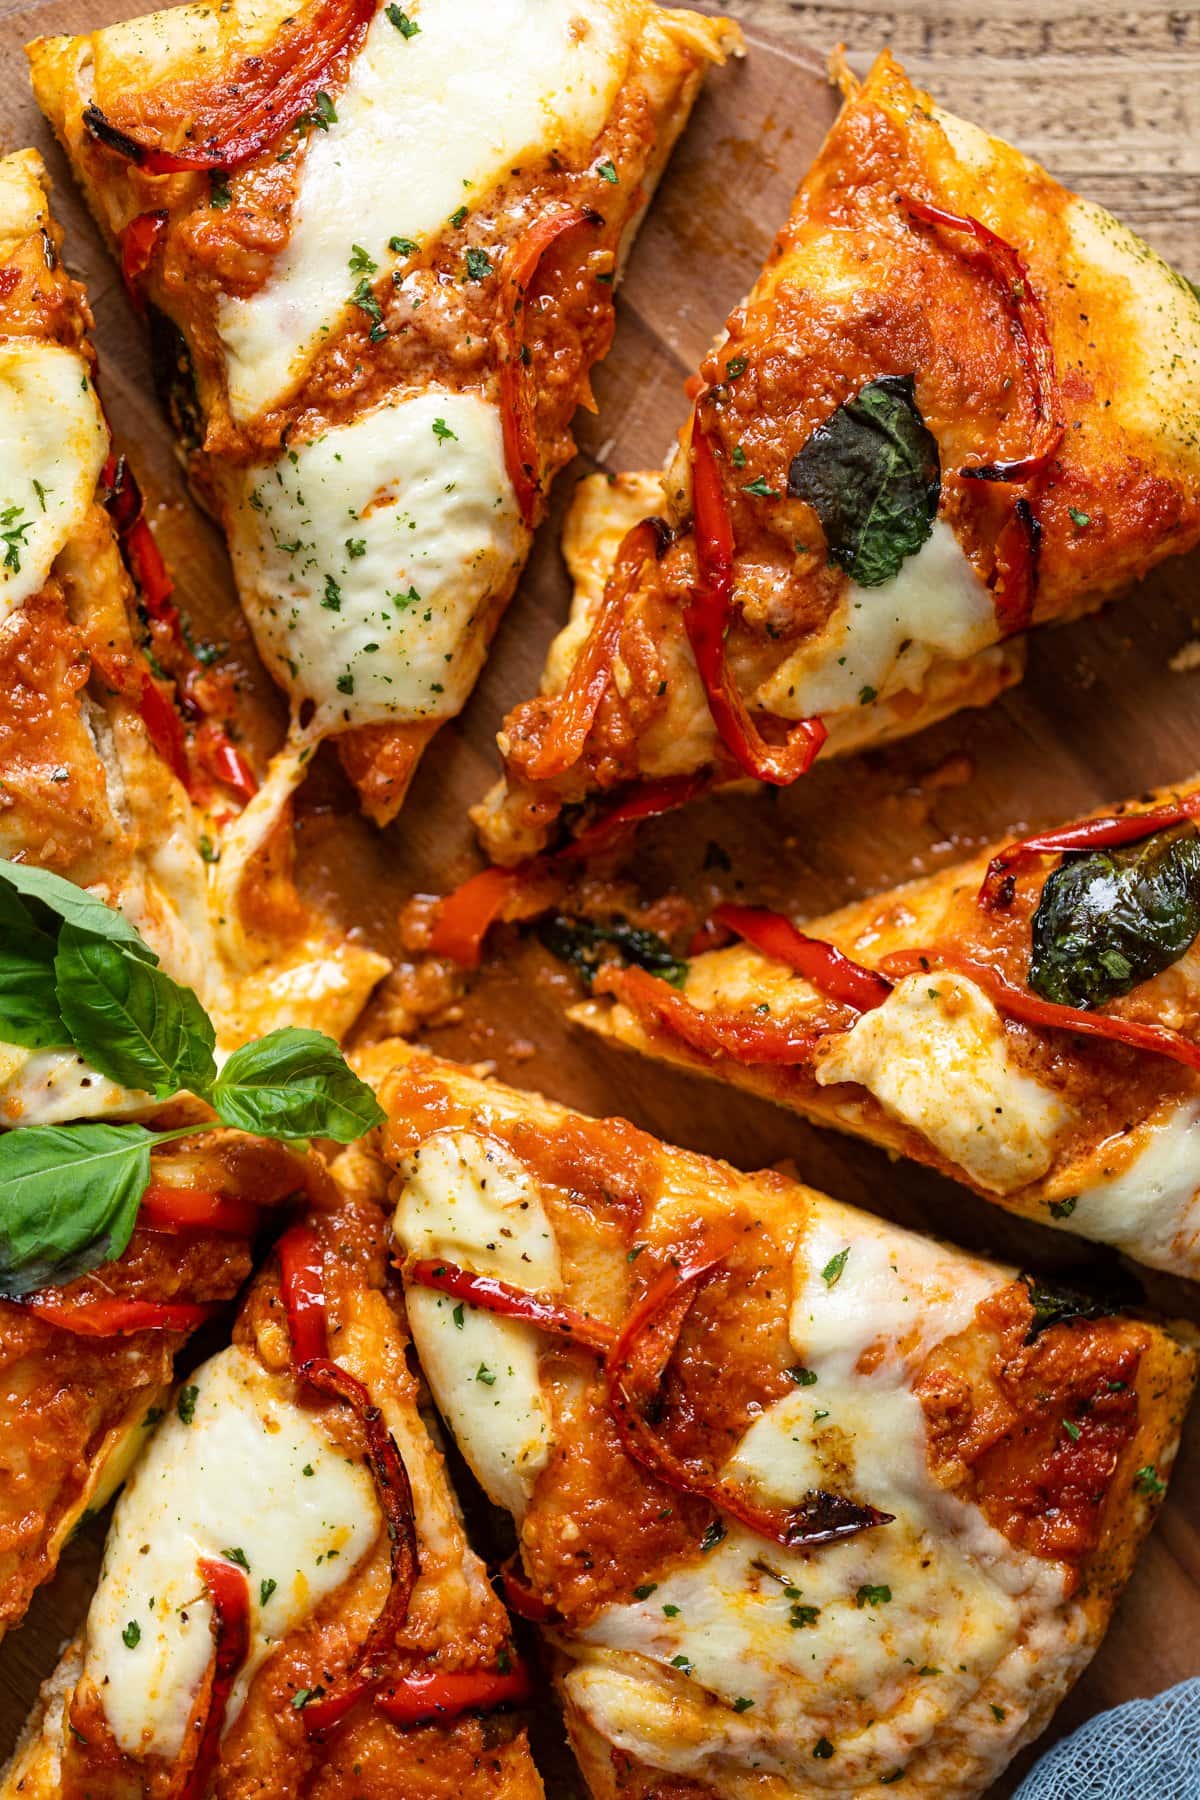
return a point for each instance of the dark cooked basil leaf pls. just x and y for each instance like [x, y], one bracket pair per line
[292, 1084]
[69, 1196]
[872, 475]
[580, 943]
[1114, 918]
[29, 1012]
[75, 905]
[1056, 1304]
[130, 1020]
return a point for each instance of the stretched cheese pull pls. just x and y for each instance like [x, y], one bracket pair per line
[794, 1490]
[385, 275]
[1028, 1022]
[287, 1602]
[853, 531]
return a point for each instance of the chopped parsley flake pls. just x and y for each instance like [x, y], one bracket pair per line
[185, 1406]
[1062, 1209]
[802, 1616]
[758, 487]
[1079, 519]
[237, 1556]
[682, 1662]
[737, 365]
[712, 1536]
[131, 1637]
[360, 262]
[741, 1704]
[403, 246]
[442, 431]
[220, 194]
[458, 216]
[998, 1713]
[1148, 1481]
[356, 547]
[872, 1596]
[484, 1374]
[801, 1376]
[832, 1273]
[345, 683]
[479, 264]
[301, 1698]
[13, 536]
[333, 595]
[607, 171]
[265, 1590]
[670, 1612]
[458, 1315]
[739, 457]
[404, 25]
[644, 1592]
[867, 694]
[1072, 1430]
[366, 301]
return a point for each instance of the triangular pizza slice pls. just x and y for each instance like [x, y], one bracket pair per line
[805, 1503]
[288, 1603]
[1028, 1022]
[956, 404]
[377, 248]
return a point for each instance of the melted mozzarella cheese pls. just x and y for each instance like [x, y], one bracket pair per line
[883, 640]
[53, 443]
[936, 1057]
[251, 1472]
[873, 1643]
[366, 561]
[425, 124]
[1143, 1192]
[467, 1199]
[50, 1087]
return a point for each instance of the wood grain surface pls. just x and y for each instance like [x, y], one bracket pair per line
[1108, 98]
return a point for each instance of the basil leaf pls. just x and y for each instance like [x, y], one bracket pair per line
[872, 475]
[29, 1012]
[579, 942]
[1056, 1304]
[295, 1083]
[76, 906]
[69, 1196]
[1114, 918]
[129, 1019]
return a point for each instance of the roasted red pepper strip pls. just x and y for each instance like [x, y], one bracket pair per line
[824, 965]
[706, 618]
[267, 93]
[520, 1598]
[510, 1302]
[576, 707]
[463, 917]
[301, 1263]
[1019, 1003]
[138, 242]
[164, 726]
[416, 1698]
[634, 1370]
[650, 800]
[522, 454]
[229, 1591]
[1015, 578]
[749, 1039]
[117, 1318]
[1107, 833]
[1012, 278]
[166, 1208]
[224, 761]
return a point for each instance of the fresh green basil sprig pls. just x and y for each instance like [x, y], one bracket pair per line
[76, 975]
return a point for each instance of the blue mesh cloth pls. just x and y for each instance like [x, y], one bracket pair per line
[1144, 1750]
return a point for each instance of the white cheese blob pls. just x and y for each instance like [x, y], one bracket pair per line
[50, 1087]
[749, 1656]
[366, 561]
[936, 1056]
[882, 641]
[425, 125]
[53, 442]
[466, 1198]
[254, 1472]
[1142, 1192]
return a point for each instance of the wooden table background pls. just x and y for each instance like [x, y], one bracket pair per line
[1108, 97]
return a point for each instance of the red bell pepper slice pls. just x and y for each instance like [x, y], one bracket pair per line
[706, 618]
[634, 1371]
[1011, 276]
[649, 800]
[510, 1302]
[269, 92]
[464, 917]
[423, 1697]
[1107, 833]
[167, 1208]
[520, 1598]
[1015, 580]
[1019, 1003]
[229, 1591]
[138, 242]
[751, 1040]
[165, 727]
[116, 1318]
[823, 964]
[522, 454]
[224, 761]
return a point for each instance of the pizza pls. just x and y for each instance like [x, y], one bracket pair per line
[1027, 1021]
[118, 768]
[804, 1503]
[954, 405]
[376, 249]
[287, 1602]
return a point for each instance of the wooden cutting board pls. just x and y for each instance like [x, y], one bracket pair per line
[1102, 713]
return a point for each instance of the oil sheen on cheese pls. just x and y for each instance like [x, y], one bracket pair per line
[252, 1472]
[53, 443]
[1142, 1193]
[368, 559]
[466, 1198]
[425, 125]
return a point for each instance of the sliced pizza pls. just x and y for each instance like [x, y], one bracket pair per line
[805, 1503]
[377, 249]
[1028, 1022]
[287, 1602]
[956, 404]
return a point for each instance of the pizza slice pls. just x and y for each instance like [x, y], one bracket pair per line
[116, 773]
[377, 250]
[288, 1603]
[804, 1503]
[1027, 1021]
[953, 406]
